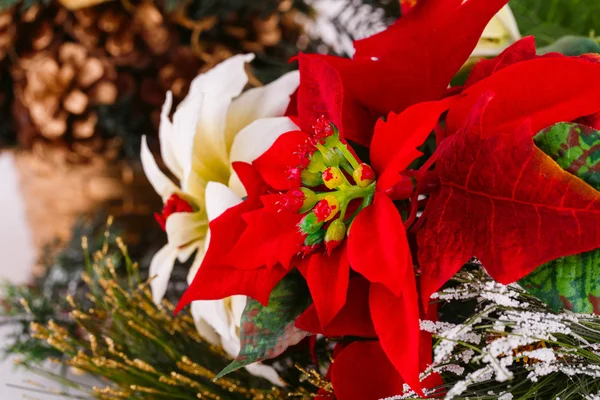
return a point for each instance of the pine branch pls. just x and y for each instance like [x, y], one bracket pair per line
[116, 333]
[510, 345]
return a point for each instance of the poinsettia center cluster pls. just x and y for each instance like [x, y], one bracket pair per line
[335, 186]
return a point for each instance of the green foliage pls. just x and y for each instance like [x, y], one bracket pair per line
[268, 331]
[548, 20]
[94, 312]
[572, 282]
[572, 46]
[16, 300]
[125, 121]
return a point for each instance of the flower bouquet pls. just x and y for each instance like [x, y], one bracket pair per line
[336, 201]
[413, 225]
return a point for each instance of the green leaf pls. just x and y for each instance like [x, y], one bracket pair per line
[548, 20]
[269, 331]
[572, 46]
[571, 282]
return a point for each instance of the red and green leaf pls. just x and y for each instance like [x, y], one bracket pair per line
[571, 282]
[575, 147]
[504, 201]
[266, 332]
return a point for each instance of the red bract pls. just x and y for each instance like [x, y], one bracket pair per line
[522, 50]
[544, 90]
[363, 371]
[223, 280]
[491, 206]
[410, 62]
[354, 319]
[502, 199]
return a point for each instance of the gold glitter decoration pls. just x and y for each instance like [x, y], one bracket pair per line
[25, 305]
[316, 378]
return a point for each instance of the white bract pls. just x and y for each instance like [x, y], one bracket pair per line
[214, 126]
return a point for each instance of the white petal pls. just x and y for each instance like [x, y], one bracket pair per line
[203, 328]
[159, 181]
[160, 271]
[236, 185]
[185, 121]
[185, 252]
[238, 303]
[267, 372]
[231, 346]
[167, 136]
[218, 87]
[197, 261]
[214, 313]
[258, 137]
[206, 244]
[184, 228]
[508, 19]
[218, 199]
[224, 77]
[268, 101]
[500, 32]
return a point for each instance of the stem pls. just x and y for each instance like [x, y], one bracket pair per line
[347, 154]
[346, 166]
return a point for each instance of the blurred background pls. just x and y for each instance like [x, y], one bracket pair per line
[82, 80]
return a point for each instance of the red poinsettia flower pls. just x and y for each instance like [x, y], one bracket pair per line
[501, 199]
[312, 204]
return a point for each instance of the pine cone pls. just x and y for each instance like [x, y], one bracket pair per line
[60, 88]
[94, 79]
[119, 33]
[26, 30]
[7, 32]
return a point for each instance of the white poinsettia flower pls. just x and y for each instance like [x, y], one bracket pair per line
[500, 32]
[214, 126]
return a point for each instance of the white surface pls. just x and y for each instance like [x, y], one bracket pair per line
[16, 262]
[16, 248]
